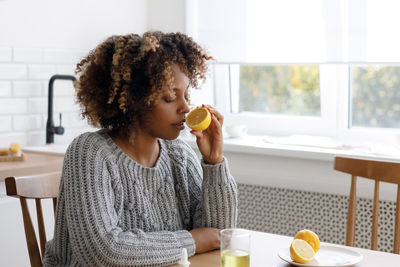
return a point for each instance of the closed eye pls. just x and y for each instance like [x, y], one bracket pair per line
[169, 100]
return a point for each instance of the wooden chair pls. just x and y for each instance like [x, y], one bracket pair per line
[379, 171]
[34, 187]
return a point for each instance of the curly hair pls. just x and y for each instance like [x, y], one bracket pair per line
[124, 76]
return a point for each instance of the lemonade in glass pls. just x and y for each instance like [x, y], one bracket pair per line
[235, 248]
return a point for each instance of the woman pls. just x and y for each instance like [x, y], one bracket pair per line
[132, 194]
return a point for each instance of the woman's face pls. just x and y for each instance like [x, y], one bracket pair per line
[167, 117]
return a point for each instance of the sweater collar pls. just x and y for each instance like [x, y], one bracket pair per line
[121, 155]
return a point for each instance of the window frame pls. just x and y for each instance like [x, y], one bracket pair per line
[226, 78]
[335, 119]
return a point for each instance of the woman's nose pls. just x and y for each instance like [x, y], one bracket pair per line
[185, 106]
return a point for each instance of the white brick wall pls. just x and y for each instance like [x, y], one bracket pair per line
[5, 124]
[13, 71]
[26, 55]
[5, 54]
[27, 88]
[24, 81]
[5, 89]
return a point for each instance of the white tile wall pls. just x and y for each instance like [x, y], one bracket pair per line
[13, 71]
[27, 88]
[66, 69]
[13, 106]
[37, 105]
[5, 54]
[24, 80]
[62, 56]
[26, 55]
[41, 72]
[5, 124]
[64, 87]
[27, 122]
[5, 89]
[8, 138]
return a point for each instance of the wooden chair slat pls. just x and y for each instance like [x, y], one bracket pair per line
[351, 218]
[42, 230]
[375, 216]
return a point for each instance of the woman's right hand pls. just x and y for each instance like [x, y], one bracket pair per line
[206, 239]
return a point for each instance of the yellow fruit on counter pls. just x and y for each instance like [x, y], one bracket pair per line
[199, 119]
[301, 251]
[15, 148]
[310, 237]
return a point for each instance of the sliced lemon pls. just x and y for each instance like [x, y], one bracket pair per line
[198, 119]
[310, 237]
[301, 251]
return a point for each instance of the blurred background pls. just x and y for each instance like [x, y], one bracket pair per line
[316, 67]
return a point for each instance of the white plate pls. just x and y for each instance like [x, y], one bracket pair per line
[327, 256]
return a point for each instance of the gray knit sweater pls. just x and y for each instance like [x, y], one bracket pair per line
[113, 211]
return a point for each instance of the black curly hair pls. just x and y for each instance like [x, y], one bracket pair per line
[124, 76]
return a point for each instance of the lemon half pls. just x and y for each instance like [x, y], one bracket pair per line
[301, 251]
[198, 119]
[310, 237]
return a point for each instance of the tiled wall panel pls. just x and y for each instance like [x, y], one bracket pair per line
[285, 211]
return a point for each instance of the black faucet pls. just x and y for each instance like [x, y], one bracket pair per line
[50, 128]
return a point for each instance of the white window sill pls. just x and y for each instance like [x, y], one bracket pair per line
[257, 145]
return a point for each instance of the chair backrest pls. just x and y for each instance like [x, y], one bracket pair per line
[36, 187]
[380, 171]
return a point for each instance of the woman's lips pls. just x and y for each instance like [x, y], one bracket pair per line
[180, 126]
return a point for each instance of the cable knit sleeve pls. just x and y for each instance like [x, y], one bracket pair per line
[213, 192]
[92, 195]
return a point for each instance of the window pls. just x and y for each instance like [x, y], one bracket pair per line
[304, 67]
[273, 99]
[375, 96]
[289, 90]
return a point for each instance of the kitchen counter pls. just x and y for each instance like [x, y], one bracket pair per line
[35, 163]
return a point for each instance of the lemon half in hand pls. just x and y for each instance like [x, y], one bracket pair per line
[301, 251]
[310, 237]
[199, 119]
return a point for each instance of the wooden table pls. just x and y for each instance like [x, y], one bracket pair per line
[265, 247]
[35, 163]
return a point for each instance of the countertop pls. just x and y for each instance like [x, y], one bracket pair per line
[35, 163]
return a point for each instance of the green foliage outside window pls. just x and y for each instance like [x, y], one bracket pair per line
[289, 90]
[376, 97]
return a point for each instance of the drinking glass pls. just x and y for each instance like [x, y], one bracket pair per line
[235, 248]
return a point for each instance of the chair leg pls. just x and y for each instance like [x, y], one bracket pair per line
[375, 217]
[31, 241]
[42, 230]
[351, 215]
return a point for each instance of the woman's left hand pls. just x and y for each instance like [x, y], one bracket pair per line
[210, 141]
